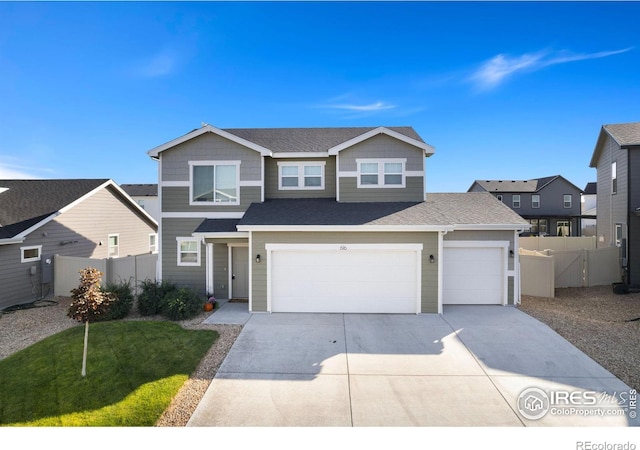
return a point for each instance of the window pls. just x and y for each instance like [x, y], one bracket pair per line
[539, 227]
[30, 254]
[301, 175]
[614, 177]
[618, 234]
[153, 243]
[535, 201]
[188, 251]
[113, 246]
[141, 203]
[215, 183]
[381, 173]
[567, 200]
[515, 201]
[563, 228]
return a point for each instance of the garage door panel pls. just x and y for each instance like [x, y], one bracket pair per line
[473, 275]
[344, 281]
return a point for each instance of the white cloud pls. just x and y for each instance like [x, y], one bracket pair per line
[500, 67]
[13, 169]
[162, 63]
[373, 107]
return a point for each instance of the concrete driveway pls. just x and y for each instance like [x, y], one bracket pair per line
[467, 367]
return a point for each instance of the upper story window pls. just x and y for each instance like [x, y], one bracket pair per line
[188, 251]
[294, 175]
[214, 183]
[535, 201]
[381, 173]
[515, 201]
[614, 177]
[567, 200]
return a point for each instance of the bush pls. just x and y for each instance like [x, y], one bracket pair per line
[151, 297]
[181, 304]
[122, 303]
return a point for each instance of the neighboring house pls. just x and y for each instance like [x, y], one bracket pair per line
[146, 196]
[551, 204]
[43, 218]
[328, 220]
[589, 209]
[616, 157]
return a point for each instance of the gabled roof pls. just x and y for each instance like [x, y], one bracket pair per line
[280, 142]
[439, 211]
[533, 185]
[28, 204]
[140, 190]
[591, 188]
[624, 134]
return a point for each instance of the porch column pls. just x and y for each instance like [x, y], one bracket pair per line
[209, 269]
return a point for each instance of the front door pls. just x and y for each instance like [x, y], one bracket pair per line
[240, 272]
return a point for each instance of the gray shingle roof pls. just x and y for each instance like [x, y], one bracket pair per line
[27, 202]
[140, 190]
[470, 208]
[591, 188]
[217, 226]
[625, 134]
[532, 185]
[293, 140]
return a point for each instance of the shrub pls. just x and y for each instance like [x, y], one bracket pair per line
[181, 304]
[121, 306]
[151, 297]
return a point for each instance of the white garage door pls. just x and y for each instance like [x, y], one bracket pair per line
[344, 279]
[473, 275]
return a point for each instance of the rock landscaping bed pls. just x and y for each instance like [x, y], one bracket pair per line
[604, 325]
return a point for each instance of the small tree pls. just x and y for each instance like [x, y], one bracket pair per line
[89, 302]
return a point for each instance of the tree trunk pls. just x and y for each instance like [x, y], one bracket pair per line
[84, 353]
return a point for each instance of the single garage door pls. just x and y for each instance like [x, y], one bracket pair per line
[355, 278]
[473, 274]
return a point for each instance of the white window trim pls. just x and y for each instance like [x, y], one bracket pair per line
[153, 251]
[564, 202]
[381, 162]
[301, 177]
[533, 204]
[179, 241]
[117, 235]
[30, 247]
[193, 164]
[513, 201]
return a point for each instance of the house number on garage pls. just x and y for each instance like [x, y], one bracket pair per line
[343, 247]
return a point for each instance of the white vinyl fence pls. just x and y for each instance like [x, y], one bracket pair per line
[543, 271]
[134, 269]
[558, 243]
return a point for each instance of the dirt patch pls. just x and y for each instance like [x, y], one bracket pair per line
[600, 323]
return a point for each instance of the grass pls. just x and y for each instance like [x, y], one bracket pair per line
[134, 369]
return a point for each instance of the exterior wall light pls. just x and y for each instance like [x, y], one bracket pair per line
[258, 259]
[431, 259]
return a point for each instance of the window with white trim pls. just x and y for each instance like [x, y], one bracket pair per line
[113, 246]
[381, 173]
[188, 251]
[298, 175]
[535, 201]
[31, 253]
[153, 243]
[515, 201]
[567, 200]
[214, 182]
[614, 177]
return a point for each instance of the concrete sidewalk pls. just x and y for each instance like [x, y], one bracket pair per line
[467, 367]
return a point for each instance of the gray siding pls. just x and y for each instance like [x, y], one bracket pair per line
[413, 192]
[271, 180]
[190, 276]
[633, 242]
[209, 147]
[176, 199]
[612, 208]
[78, 232]
[488, 235]
[429, 271]
[381, 146]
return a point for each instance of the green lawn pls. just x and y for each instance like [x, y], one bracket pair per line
[134, 369]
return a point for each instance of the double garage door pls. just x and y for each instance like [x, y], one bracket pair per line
[378, 278]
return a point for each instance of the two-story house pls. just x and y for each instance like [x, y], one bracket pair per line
[615, 157]
[551, 204]
[328, 220]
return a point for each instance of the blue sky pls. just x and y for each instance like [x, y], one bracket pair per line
[503, 90]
